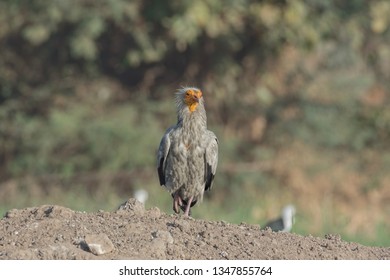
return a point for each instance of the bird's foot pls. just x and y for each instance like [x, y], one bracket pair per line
[187, 212]
[177, 202]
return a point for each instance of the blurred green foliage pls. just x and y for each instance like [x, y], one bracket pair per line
[80, 140]
[86, 86]
[227, 47]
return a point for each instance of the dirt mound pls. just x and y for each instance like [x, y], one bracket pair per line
[131, 232]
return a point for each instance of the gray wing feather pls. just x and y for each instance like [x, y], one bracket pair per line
[162, 155]
[211, 158]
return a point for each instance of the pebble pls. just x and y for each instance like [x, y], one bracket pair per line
[154, 212]
[11, 213]
[132, 205]
[165, 236]
[99, 244]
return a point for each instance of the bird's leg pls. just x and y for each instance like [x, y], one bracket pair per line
[177, 202]
[187, 212]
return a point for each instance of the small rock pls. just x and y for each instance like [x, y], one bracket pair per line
[224, 254]
[163, 235]
[183, 225]
[132, 205]
[11, 213]
[331, 236]
[99, 244]
[154, 212]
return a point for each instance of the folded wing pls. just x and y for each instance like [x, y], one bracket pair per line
[162, 154]
[210, 158]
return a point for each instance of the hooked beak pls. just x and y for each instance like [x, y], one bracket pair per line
[195, 98]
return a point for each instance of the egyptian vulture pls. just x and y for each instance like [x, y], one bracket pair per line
[188, 153]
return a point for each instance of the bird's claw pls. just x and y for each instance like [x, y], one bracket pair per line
[177, 202]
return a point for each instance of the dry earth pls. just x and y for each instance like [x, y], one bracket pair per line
[131, 232]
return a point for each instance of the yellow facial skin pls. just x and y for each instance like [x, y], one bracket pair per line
[191, 98]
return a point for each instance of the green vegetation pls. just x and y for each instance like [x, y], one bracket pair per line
[297, 92]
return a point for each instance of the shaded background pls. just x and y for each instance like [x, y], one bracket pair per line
[296, 91]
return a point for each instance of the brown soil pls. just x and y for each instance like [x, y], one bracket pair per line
[55, 232]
